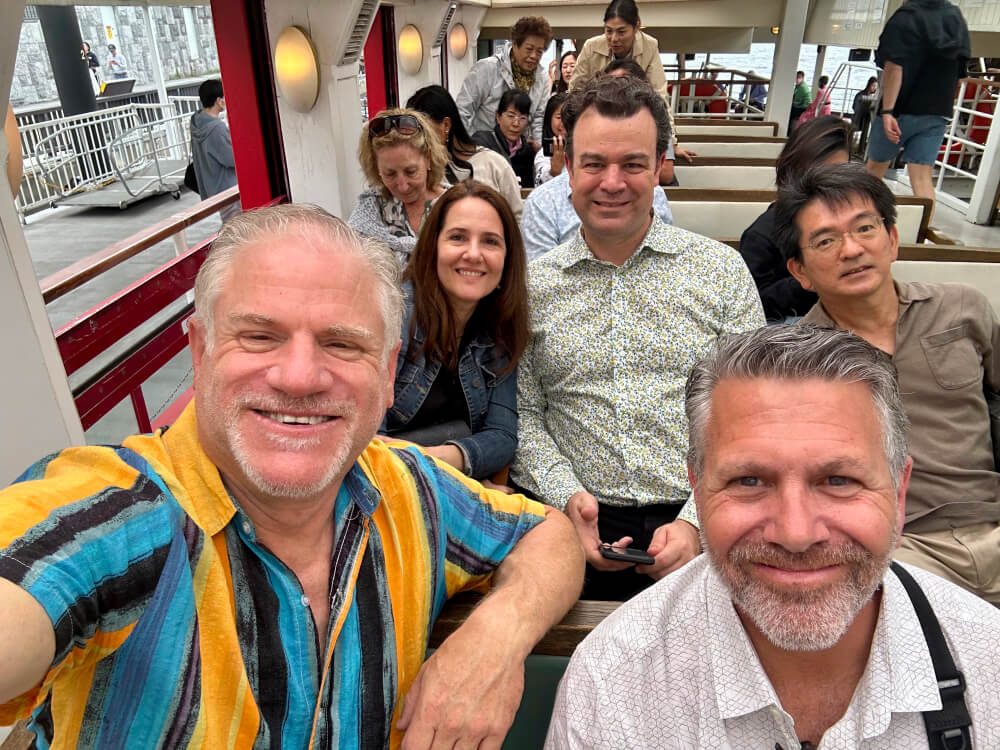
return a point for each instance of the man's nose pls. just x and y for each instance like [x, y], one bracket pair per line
[796, 523]
[301, 368]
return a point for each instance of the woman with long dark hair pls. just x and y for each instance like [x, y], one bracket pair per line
[550, 160]
[465, 329]
[467, 160]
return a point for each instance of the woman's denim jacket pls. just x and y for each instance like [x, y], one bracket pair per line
[491, 398]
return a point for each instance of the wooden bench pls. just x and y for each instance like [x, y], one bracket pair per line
[768, 149]
[690, 126]
[724, 214]
[543, 668]
[724, 122]
[736, 177]
[977, 267]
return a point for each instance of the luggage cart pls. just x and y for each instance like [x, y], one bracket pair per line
[116, 157]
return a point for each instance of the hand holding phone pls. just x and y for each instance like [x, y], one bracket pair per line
[627, 554]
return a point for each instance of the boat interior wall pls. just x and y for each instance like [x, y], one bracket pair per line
[320, 145]
[835, 22]
[470, 16]
[35, 400]
[581, 20]
[735, 40]
[427, 16]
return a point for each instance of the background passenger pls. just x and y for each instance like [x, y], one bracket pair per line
[820, 104]
[551, 157]
[825, 140]
[403, 161]
[864, 105]
[507, 136]
[467, 160]
[514, 67]
[561, 75]
[800, 100]
[465, 328]
[622, 40]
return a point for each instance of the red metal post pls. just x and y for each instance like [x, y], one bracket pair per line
[245, 60]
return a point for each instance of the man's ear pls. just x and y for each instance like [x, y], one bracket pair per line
[390, 374]
[197, 341]
[796, 269]
[904, 483]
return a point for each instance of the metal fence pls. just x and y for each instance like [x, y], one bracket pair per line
[65, 155]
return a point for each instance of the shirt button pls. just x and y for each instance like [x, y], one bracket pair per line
[247, 528]
[305, 600]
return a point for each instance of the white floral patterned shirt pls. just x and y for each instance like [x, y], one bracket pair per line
[601, 384]
[673, 668]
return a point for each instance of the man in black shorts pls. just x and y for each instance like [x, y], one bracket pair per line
[922, 51]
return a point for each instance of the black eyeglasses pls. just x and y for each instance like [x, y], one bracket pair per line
[402, 124]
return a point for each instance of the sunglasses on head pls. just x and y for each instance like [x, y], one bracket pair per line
[402, 124]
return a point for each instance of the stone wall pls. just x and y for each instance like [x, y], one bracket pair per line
[174, 37]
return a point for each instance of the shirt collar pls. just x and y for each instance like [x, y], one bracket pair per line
[899, 676]
[905, 292]
[659, 239]
[203, 495]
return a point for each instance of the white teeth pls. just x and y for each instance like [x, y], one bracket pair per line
[291, 419]
[472, 273]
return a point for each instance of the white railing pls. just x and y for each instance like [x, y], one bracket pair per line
[730, 97]
[69, 154]
[965, 139]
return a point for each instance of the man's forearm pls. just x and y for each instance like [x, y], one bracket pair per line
[535, 585]
[892, 81]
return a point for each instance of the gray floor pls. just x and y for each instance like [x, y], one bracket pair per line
[61, 236]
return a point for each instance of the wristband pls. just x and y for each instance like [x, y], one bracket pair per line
[885, 112]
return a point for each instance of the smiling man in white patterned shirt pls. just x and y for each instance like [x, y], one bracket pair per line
[791, 631]
[619, 315]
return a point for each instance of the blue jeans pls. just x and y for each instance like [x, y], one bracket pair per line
[920, 140]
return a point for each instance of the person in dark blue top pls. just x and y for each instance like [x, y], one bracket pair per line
[824, 140]
[465, 328]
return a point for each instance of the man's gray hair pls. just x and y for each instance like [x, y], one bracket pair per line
[797, 352]
[308, 222]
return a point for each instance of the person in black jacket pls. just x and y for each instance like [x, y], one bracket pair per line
[825, 140]
[507, 138]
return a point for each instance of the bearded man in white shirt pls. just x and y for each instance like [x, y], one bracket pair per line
[792, 631]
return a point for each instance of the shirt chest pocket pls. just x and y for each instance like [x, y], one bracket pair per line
[953, 358]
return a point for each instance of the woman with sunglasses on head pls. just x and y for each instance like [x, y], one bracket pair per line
[507, 137]
[404, 162]
[467, 160]
[465, 329]
[551, 158]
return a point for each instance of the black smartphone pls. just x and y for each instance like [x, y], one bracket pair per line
[547, 146]
[627, 554]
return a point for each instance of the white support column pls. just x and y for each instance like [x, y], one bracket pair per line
[818, 70]
[984, 194]
[38, 409]
[786, 62]
[154, 45]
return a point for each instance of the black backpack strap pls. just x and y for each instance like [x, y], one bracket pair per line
[947, 729]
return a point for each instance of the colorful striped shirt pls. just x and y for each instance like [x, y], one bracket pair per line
[175, 628]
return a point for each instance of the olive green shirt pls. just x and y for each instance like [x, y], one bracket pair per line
[947, 348]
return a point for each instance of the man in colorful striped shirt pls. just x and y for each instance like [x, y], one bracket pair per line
[263, 573]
